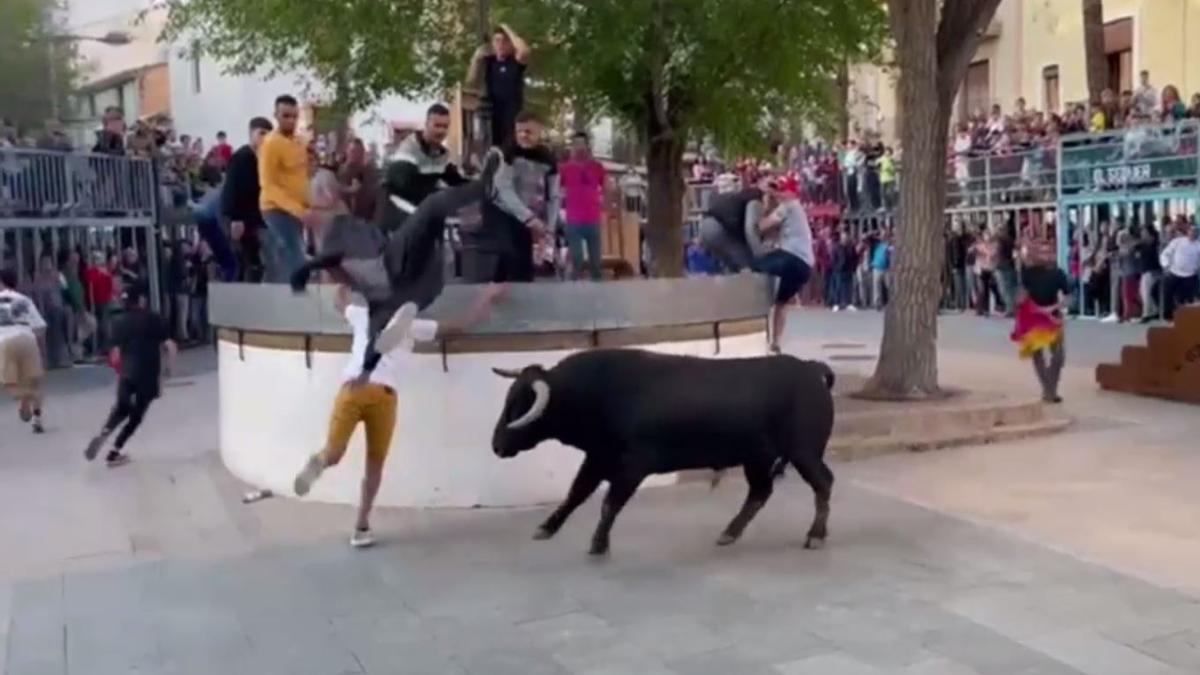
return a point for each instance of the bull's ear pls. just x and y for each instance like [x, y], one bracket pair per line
[507, 373]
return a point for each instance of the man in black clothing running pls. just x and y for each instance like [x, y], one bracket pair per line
[140, 337]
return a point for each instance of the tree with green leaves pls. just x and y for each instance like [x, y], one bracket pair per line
[30, 59]
[680, 70]
[673, 70]
[362, 49]
[934, 43]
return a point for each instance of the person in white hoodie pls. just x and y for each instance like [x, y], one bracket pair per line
[1181, 265]
[21, 367]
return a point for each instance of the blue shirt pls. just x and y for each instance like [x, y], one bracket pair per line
[881, 256]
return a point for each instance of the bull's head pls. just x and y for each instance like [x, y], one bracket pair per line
[522, 422]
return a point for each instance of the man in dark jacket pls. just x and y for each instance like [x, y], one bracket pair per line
[420, 166]
[728, 225]
[239, 201]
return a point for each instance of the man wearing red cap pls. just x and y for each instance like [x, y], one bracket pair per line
[792, 260]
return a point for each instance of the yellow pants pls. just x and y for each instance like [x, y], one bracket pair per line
[372, 404]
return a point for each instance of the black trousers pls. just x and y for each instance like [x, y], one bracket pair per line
[133, 400]
[1178, 291]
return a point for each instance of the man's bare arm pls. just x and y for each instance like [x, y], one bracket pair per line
[521, 49]
[478, 312]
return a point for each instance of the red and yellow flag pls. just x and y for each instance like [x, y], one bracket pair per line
[1035, 329]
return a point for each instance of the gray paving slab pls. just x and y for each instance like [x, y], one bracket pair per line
[160, 570]
[666, 601]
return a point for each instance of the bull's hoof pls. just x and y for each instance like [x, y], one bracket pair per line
[726, 539]
[598, 550]
[814, 543]
[542, 534]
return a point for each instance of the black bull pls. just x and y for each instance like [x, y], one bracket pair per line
[635, 413]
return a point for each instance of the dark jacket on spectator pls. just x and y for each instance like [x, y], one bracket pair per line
[956, 250]
[415, 172]
[239, 196]
[108, 143]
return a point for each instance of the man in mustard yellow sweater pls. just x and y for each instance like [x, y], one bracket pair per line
[283, 174]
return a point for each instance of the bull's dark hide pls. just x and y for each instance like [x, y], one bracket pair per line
[635, 413]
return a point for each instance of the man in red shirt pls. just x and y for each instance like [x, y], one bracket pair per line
[222, 150]
[98, 285]
[583, 188]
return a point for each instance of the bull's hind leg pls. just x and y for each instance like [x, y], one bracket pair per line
[620, 489]
[586, 482]
[758, 477]
[818, 476]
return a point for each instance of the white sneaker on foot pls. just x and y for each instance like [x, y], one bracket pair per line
[362, 539]
[1111, 318]
[836, 308]
[309, 474]
[396, 330]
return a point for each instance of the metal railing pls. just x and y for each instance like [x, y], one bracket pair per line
[47, 188]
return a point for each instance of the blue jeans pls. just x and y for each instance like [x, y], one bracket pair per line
[284, 250]
[208, 223]
[579, 236]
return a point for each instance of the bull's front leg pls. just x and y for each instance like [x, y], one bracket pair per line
[758, 478]
[586, 481]
[621, 487]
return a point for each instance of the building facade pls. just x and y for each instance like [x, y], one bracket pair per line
[1033, 49]
[133, 76]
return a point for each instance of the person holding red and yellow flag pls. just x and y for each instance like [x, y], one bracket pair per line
[1039, 326]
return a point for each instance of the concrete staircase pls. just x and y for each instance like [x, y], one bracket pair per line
[1167, 366]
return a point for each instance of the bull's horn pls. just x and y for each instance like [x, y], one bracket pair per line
[541, 390]
[507, 373]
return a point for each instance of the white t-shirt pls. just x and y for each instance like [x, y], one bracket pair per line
[391, 364]
[18, 314]
[795, 236]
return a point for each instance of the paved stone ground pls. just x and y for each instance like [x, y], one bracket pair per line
[1076, 554]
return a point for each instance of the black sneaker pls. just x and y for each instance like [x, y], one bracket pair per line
[93, 446]
[116, 458]
[491, 164]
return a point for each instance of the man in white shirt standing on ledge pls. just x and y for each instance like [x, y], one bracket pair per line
[1181, 264]
[21, 368]
[371, 398]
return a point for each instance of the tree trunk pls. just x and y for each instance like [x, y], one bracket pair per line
[664, 204]
[930, 70]
[1093, 48]
[842, 92]
[908, 356]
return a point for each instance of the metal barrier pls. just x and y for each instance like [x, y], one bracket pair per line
[55, 202]
[1027, 177]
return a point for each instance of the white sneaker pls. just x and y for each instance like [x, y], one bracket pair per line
[852, 308]
[1111, 318]
[396, 330]
[362, 539]
[309, 474]
[836, 308]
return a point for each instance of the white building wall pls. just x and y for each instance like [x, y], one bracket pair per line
[205, 100]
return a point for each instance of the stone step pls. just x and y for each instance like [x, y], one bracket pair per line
[937, 419]
[852, 448]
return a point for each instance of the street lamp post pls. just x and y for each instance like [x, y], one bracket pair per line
[112, 38]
